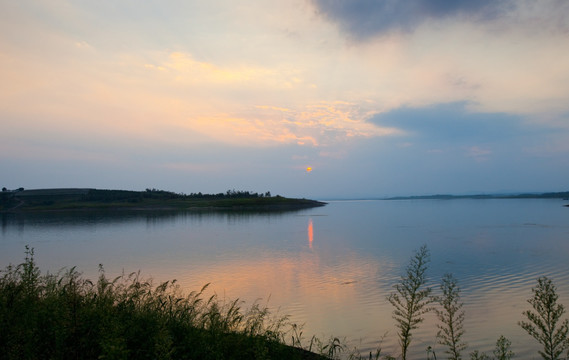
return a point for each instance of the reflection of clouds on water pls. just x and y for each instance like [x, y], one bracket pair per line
[310, 274]
[347, 288]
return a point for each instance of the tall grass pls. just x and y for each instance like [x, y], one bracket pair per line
[65, 316]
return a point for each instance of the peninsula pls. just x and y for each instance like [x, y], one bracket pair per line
[60, 199]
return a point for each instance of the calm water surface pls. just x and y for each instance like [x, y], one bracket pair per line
[331, 267]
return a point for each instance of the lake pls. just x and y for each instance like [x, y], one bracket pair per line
[332, 267]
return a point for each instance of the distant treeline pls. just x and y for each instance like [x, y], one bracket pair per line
[549, 195]
[123, 195]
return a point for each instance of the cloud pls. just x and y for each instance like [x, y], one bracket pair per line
[190, 167]
[320, 124]
[366, 18]
[453, 122]
[185, 64]
[479, 154]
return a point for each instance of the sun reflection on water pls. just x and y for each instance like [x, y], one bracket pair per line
[310, 233]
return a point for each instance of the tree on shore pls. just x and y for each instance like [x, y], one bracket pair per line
[411, 298]
[543, 324]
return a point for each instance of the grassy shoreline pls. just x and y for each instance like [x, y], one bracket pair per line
[65, 316]
[149, 200]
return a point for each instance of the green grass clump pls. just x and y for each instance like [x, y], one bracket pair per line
[65, 316]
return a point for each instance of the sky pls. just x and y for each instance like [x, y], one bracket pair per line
[379, 98]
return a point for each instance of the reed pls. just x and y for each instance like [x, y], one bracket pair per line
[65, 316]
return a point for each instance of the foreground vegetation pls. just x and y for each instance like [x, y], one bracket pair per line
[21, 200]
[412, 300]
[64, 316]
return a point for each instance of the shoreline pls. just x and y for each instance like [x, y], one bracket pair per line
[85, 200]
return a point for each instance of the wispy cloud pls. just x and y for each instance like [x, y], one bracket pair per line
[323, 123]
[479, 154]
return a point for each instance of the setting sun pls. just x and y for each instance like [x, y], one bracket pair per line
[308, 169]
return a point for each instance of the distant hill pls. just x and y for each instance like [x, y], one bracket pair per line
[152, 199]
[550, 195]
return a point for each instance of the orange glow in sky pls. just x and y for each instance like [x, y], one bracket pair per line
[216, 111]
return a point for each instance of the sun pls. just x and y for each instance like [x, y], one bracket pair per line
[308, 169]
